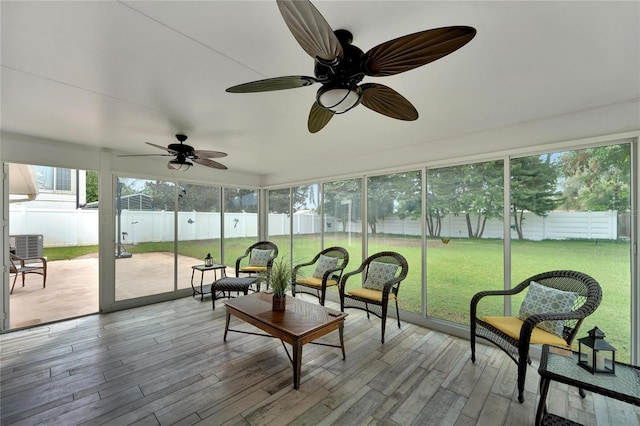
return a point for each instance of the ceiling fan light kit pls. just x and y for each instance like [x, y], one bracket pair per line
[179, 165]
[341, 66]
[338, 99]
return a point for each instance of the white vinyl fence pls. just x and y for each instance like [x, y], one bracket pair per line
[80, 227]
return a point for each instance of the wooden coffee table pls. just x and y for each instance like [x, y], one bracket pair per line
[301, 323]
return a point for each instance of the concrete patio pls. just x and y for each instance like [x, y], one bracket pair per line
[72, 286]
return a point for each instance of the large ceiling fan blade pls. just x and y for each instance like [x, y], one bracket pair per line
[164, 148]
[310, 29]
[201, 153]
[318, 117]
[209, 163]
[415, 50]
[386, 101]
[145, 155]
[269, 84]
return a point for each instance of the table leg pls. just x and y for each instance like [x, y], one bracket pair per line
[341, 332]
[193, 271]
[297, 364]
[226, 326]
[542, 405]
[201, 292]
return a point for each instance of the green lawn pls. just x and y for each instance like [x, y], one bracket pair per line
[457, 270]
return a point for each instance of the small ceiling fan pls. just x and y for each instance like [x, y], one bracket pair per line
[184, 155]
[340, 66]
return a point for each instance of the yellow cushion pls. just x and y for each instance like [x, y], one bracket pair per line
[367, 293]
[315, 282]
[511, 326]
[254, 269]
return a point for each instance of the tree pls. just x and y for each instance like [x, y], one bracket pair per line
[442, 189]
[92, 186]
[240, 200]
[381, 196]
[597, 179]
[302, 196]
[340, 196]
[533, 188]
[469, 190]
[481, 194]
[162, 194]
[410, 196]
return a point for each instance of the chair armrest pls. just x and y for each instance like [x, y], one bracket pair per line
[238, 260]
[301, 265]
[476, 298]
[44, 263]
[345, 277]
[515, 290]
[295, 274]
[330, 273]
[17, 259]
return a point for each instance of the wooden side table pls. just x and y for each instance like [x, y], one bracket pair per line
[562, 366]
[202, 268]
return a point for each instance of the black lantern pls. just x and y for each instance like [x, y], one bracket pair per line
[596, 355]
[208, 261]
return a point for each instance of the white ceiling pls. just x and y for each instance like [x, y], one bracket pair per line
[116, 74]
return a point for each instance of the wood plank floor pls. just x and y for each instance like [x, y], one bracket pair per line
[167, 364]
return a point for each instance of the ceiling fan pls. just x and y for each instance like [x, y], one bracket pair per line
[340, 66]
[184, 155]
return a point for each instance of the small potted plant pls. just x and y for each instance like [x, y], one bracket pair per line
[279, 280]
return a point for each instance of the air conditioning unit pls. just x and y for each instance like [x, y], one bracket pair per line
[27, 246]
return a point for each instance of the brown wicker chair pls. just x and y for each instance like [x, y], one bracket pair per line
[248, 263]
[371, 300]
[516, 345]
[315, 285]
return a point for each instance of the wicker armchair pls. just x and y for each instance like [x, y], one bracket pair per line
[514, 336]
[256, 260]
[377, 287]
[322, 278]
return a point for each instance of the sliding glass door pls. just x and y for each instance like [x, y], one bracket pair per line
[145, 247]
[53, 222]
[198, 220]
[240, 222]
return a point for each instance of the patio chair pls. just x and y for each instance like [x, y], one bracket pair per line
[330, 264]
[381, 275]
[22, 266]
[574, 296]
[257, 259]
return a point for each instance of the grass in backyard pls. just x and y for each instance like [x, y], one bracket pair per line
[63, 253]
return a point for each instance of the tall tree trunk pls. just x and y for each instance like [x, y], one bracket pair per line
[518, 222]
[481, 227]
[469, 227]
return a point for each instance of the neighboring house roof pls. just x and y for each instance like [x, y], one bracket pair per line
[23, 185]
[130, 202]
